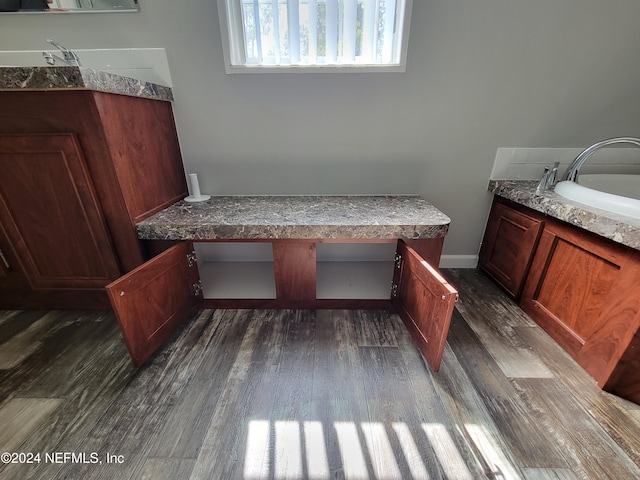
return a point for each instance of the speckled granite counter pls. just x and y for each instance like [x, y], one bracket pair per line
[79, 78]
[301, 217]
[619, 228]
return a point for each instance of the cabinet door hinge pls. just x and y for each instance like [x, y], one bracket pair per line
[197, 288]
[455, 300]
[191, 258]
[398, 260]
[394, 290]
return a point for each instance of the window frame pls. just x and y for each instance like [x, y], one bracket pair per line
[229, 11]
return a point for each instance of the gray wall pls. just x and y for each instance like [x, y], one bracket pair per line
[480, 75]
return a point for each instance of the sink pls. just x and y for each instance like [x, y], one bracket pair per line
[616, 193]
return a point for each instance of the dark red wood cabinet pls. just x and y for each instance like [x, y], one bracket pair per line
[79, 169]
[510, 239]
[582, 289]
[82, 168]
[151, 301]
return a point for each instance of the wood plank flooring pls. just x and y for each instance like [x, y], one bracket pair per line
[325, 394]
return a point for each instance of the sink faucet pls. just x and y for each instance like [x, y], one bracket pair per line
[574, 169]
[548, 179]
[69, 56]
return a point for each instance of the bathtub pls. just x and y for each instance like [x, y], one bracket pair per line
[614, 193]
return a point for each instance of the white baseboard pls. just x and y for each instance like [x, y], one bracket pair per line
[458, 261]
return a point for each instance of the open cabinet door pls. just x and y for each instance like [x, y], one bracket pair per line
[424, 300]
[152, 300]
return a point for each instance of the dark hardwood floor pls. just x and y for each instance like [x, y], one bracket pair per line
[249, 394]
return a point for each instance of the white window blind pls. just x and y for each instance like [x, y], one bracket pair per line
[277, 33]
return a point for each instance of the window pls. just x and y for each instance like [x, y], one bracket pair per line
[312, 35]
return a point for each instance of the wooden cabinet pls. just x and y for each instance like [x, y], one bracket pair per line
[79, 169]
[424, 300]
[51, 217]
[507, 249]
[582, 289]
[152, 300]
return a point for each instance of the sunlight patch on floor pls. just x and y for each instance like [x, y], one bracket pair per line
[446, 451]
[288, 452]
[256, 457]
[289, 449]
[317, 461]
[410, 451]
[496, 462]
[353, 461]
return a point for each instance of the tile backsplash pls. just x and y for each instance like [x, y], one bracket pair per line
[529, 163]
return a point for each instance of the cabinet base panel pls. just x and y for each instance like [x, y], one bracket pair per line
[318, 304]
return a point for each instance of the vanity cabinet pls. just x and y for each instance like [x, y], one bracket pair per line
[152, 300]
[51, 217]
[581, 288]
[510, 239]
[584, 291]
[79, 169]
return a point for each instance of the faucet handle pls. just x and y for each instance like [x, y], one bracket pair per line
[49, 58]
[69, 55]
[554, 174]
[543, 184]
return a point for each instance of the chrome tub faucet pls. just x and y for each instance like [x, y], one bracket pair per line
[573, 171]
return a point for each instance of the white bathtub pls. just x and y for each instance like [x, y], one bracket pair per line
[614, 193]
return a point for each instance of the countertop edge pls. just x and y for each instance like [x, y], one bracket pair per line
[79, 78]
[302, 232]
[620, 229]
[298, 217]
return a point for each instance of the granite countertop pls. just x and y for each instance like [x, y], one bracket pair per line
[300, 217]
[619, 228]
[79, 78]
